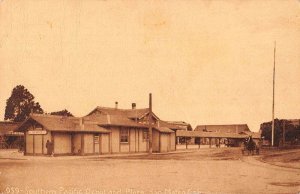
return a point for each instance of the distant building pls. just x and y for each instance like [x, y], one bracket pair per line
[177, 125]
[231, 135]
[234, 128]
[9, 138]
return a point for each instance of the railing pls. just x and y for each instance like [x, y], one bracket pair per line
[196, 146]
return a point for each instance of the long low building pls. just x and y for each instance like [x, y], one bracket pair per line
[104, 130]
[232, 135]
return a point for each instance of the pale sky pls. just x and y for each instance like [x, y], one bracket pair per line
[205, 62]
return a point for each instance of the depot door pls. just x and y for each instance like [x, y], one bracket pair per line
[97, 144]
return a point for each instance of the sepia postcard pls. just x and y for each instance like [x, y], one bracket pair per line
[149, 96]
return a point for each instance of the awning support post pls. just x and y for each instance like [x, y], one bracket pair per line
[186, 143]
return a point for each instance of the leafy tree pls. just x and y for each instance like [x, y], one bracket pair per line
[292, 133]
[20, 104]
[64, 112]
[266, 129]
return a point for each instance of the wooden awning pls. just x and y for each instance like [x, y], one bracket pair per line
[183, 133]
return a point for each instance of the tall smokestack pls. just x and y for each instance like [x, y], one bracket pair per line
[116, 105]
[133, 105]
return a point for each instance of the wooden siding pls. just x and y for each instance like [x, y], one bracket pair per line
[29, 143]
[104, 143]
[115, 139]
[38, 144]
[62, 143]
[172, 142]
[132, 139]
[77, 143]
[88, 143]
[155, 141]
[164, 142]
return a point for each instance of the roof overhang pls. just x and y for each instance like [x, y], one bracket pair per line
[183, 133]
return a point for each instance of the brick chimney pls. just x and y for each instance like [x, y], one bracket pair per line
[116, 105]
[150, 103]
[133, 105]
[81, 123]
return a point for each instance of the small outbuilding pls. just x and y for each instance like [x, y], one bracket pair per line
[8, 137]
[67, 136]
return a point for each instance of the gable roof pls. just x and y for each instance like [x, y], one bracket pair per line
[120, 117]
[130, 113]
[113, 120]
[105, 116]
[164, 130]
[63, 124]
[7, 127]
[232, 128]
[175, 125]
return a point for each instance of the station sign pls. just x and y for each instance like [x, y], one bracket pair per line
[40, 132]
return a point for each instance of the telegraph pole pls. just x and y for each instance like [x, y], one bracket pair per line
[273, 104]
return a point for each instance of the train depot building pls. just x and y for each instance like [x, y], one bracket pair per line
[107, 130]
[103, 131]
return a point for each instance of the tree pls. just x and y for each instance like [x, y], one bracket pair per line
[20, 104]
[292, 132]
[266, 129]
[64, 112]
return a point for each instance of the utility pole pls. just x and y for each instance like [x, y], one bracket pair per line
[273, 104]
[150, 123]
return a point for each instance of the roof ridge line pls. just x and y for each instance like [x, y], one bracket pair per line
[221, 124]
[49, 115]
[121, 109]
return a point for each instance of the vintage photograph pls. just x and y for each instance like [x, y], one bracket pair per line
[149, 96]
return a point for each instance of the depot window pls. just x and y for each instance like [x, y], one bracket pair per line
[124, 135]
[145, 135]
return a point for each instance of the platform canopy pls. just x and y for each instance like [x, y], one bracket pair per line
[183, 133]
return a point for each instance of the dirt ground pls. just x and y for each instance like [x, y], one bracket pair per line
[222, 170]
[284, 158]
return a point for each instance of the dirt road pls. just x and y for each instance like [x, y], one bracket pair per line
[203, 171]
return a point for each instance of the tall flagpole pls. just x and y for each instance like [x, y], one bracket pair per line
[273, 104]
[150, 123]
